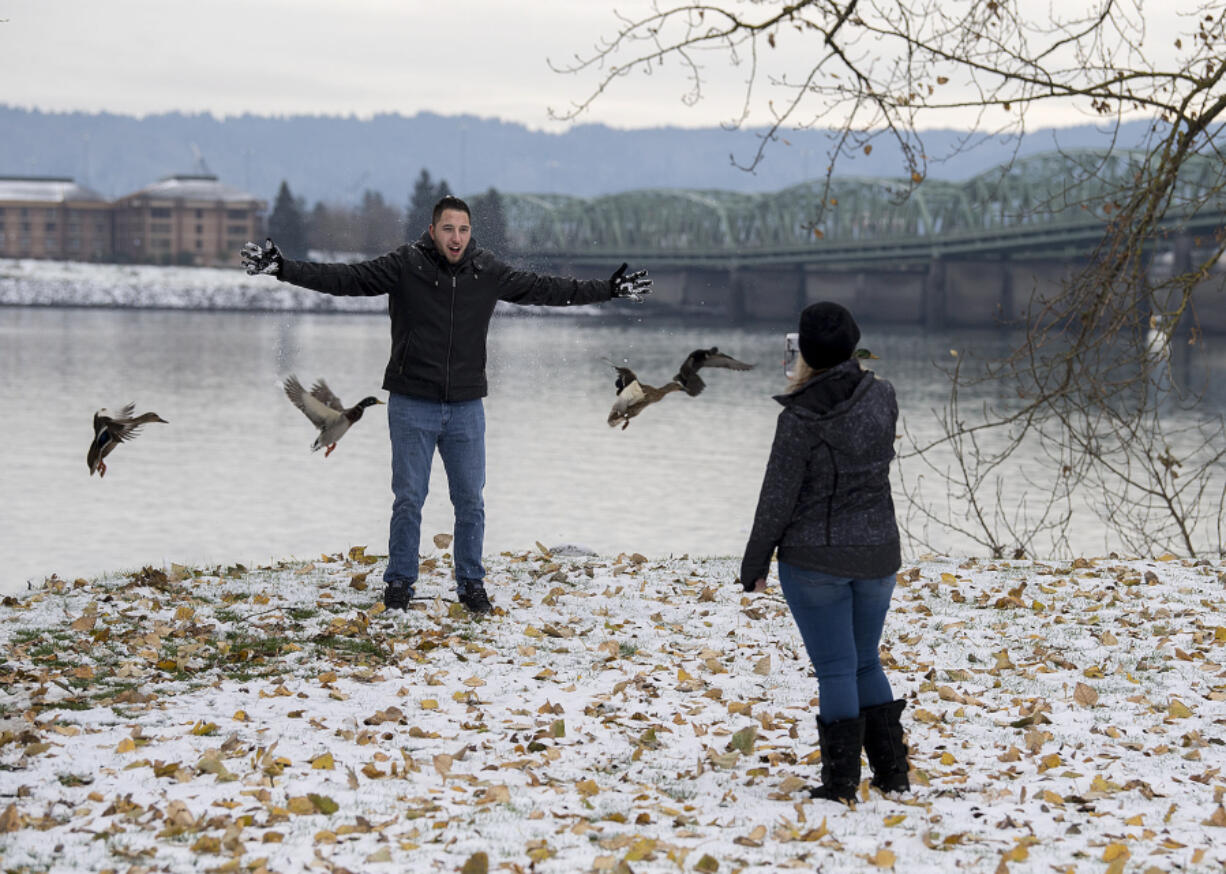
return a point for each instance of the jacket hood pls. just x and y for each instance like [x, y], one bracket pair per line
[851, 409]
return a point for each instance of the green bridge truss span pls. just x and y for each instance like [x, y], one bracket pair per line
[1054, 203]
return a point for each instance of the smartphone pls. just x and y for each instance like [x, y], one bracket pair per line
[791, 354]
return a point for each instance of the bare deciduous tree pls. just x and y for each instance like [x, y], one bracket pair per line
[1090, 415]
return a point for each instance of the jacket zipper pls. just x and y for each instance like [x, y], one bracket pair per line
[450, 337]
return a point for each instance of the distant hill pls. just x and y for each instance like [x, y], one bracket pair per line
[335, 159]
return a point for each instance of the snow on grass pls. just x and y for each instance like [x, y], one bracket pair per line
[613, 715]
[30, 282]
[26, 282]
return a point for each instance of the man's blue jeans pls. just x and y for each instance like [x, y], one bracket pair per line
[840, 621]
[457, 430]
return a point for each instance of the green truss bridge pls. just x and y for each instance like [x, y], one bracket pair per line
[946, 253]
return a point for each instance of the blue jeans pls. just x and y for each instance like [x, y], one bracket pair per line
[840, 621]
[457, 430]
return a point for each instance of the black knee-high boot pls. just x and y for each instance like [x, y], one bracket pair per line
[883, 744]
[840, 743]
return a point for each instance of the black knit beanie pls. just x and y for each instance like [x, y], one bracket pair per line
[828, 334]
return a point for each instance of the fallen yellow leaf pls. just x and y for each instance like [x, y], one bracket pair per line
[884, 858]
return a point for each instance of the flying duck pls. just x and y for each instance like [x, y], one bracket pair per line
[325, 411]
[110, 430]
[688, 377]
[633, 396]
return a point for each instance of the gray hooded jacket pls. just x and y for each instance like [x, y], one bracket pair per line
[825, 502]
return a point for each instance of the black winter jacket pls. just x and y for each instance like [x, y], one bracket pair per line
[441, 312]
[825, 502]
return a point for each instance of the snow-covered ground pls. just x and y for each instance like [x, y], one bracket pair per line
[615, 714]
[73, 283]
[28, 282]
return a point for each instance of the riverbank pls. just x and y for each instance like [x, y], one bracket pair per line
[614, 714]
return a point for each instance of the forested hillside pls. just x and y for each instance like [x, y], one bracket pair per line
[338, 159]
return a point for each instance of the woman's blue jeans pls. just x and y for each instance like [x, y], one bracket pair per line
[457, 430]
[840, 621]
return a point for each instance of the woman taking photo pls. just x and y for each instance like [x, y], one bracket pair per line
[826, 507]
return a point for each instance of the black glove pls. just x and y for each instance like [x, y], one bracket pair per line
[262, 259]
[632, 287]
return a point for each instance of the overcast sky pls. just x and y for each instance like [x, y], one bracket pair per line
[336, 57]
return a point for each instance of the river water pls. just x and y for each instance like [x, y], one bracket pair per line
[231, 477]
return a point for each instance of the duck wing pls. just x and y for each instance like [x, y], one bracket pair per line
[324, 394]
[625, 377]
[320, 413]
[688, 377]
[630, 400]
[123, 426]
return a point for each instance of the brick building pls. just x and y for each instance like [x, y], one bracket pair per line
[186, 219]
[191, 219]
[53, 217]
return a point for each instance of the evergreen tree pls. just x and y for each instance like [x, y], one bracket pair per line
[377, 224]
[490, 222]
[421, 204]
[286, 225]
[333, 230]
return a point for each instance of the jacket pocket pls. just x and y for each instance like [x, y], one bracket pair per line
[401, 352]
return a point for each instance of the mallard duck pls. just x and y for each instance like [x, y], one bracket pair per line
[633, 396]
[688, 377]
[110, 430]
[325, 411]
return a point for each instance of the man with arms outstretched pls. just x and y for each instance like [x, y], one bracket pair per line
[442, 290]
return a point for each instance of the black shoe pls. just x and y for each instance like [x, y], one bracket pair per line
[397, 596]
[884, 746]
[840, 742]
[472, 596]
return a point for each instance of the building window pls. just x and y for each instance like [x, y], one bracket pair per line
[199, 245]
[236, 214]
[199, 213]
[50, 227]
[160, 212]
[74, 244]
[200, 229]
[236, 230]
[159, 228]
